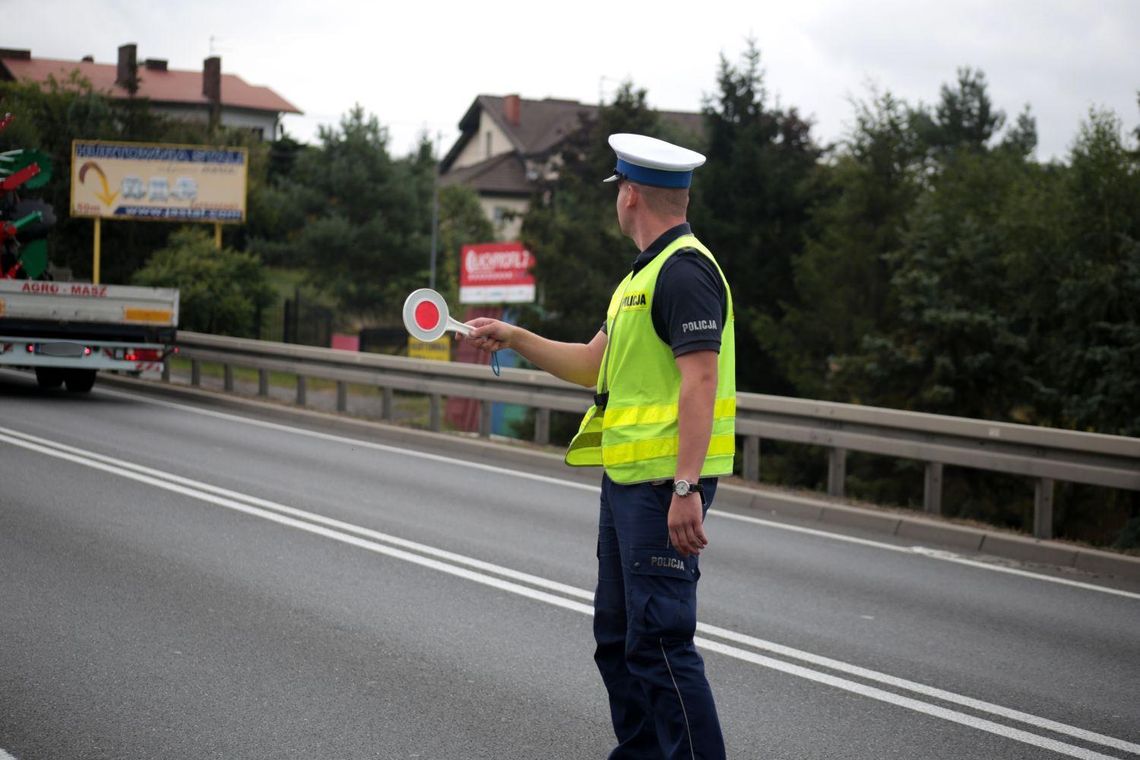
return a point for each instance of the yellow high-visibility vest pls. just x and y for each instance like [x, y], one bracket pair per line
[634, 435]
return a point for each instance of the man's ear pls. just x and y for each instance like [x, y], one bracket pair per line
[632, 196]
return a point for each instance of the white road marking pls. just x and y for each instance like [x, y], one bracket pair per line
[5, 756]
[938, 554]
[914, 550]
[926, 708]
[813, 532]
[354, 535]
[918, 688]
[154, 476]
[357, 442]
[202, 494]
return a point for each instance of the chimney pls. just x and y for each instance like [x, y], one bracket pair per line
[87, 59]
[212, 79]
[512, 109]
[212, 87]
[155, 64]
[127, 73]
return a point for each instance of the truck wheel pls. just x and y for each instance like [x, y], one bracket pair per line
[79, 380]
[49, 377]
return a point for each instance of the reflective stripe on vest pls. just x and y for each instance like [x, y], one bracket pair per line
[635, 436]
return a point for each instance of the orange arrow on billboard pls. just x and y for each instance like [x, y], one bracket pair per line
[106, 196]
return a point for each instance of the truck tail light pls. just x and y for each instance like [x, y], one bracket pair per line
[143, 355]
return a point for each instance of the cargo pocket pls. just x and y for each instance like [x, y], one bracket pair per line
[663, 593]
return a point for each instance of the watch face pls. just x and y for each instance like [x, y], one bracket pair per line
[681, 487]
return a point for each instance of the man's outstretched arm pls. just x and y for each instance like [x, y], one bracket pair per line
[573, 362]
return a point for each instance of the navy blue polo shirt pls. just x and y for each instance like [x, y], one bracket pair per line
[689, 302]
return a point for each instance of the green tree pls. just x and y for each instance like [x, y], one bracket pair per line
[572, 228]
[220, 291]
[751, 205]
[963, 120]
[842, 278]
[358, 220]
[1074, 233]
[1012, 294]
[1091, 353]
[960, 341]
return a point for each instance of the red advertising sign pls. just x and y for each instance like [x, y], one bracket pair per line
[496, 273]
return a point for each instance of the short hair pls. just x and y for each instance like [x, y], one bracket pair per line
[665, 201]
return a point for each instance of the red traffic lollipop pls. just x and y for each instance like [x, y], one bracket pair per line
[426, 318]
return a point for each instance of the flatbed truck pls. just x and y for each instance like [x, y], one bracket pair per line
[67, 331]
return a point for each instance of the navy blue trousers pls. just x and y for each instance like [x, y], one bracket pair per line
[645, 615]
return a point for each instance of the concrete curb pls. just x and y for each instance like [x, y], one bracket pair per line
[990, 541]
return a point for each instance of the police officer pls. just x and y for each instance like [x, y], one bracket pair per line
[662, 426]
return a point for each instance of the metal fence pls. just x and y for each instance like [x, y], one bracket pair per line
[1045, 455]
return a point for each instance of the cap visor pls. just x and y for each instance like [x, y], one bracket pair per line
[613, 178]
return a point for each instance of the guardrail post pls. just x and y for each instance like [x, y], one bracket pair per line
[542, 426]
[836, 471]
[932, 489]
[195, 372]
[1043, 508]
[302, 388]
[263, 382]
[386, 404]
[166, 371]
[228, 378]
[485, 410]
[750, 468]
[341, 396]
[434, 420]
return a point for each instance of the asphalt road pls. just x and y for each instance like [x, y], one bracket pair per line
[180, 582]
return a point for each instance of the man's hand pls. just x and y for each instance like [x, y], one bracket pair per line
[489, 334]
[686, 528]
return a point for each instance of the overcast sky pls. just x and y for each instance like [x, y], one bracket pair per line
[419, 68]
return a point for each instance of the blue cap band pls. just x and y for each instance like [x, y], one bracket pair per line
[653, 177]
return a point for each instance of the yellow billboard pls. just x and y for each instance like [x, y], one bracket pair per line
[438, 350]
[157, 182]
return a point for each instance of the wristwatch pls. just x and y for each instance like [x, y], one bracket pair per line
[684, 488]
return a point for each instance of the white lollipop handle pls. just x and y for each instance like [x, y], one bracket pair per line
[459, 327]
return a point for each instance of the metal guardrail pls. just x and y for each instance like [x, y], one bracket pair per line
[1045, 455]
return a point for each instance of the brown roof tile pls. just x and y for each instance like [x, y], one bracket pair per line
[159, 86]
[504, 174]
[544, 124]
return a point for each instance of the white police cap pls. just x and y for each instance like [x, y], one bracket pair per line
[649, 161]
